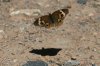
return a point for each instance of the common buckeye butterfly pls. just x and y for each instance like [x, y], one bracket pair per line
[52, 19]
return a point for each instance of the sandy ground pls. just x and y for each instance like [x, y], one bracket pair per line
[78, 37]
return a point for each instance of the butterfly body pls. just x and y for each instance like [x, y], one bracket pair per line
[51, 20]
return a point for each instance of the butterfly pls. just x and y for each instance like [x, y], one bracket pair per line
[52, 19]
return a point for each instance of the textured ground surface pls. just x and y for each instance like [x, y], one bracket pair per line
[79, 36]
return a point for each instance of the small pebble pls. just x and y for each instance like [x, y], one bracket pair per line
[2, 34]
[73, 58]
[15, 60]
[91, 57]
[94, 50]
[5, 0]
[91, 14]
[37, 39]
[93, 64]
[82, 1]
[35, 63]
[71, 63]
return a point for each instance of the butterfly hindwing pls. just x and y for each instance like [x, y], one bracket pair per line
[43, 21]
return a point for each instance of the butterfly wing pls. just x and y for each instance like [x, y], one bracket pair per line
[43, 21]
[58, 16]
[54, 19]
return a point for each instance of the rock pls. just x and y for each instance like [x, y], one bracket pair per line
[91, 57]
[73, 58]
[35, 63]
[71, 63]
[94, 49]
[82, 1]
[2, 34]
[93, 64]
[5, 0]
[15, 60]
[27, 12]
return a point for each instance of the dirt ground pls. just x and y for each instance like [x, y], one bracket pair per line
[78, 36]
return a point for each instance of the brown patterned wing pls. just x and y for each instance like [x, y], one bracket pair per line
[43, 21]
[58, 16]
[51, 20]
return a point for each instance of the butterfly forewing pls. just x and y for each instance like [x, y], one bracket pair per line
[58, 16]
